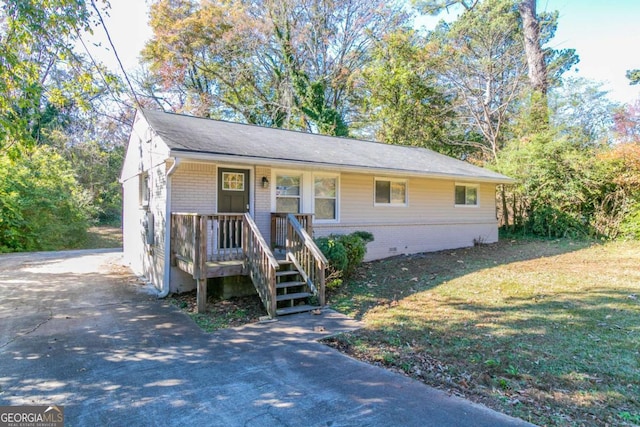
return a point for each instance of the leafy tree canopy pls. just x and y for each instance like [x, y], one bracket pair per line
[276, 63]
[633, 76]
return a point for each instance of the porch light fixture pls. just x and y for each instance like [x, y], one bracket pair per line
[265, 182]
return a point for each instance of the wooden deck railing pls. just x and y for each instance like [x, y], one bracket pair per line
[261, 264]
[218, 235]
[279, 227]
[184, 228]
[200, 239]
[306, 256]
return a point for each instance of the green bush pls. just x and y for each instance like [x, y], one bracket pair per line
[334, 251]
[546, 221]
[41, 206]
[355, 248]
[344, 253]
[630, 226]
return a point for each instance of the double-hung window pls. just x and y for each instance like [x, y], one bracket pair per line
[390, 192]
[325, 191]
[288, 193]
[466, 195]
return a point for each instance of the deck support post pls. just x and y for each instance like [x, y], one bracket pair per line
[201, 296]
[201, 264]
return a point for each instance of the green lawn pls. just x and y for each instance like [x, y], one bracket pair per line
[548, 331]
[100, 237]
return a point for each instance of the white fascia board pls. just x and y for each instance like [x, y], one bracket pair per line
[298, 164]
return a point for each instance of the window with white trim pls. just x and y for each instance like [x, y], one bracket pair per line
[325, 191]
[144, 189]
[466, 195]
[390, 192]
[288, 193]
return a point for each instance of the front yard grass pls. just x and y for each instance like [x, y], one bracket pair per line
[547, 331]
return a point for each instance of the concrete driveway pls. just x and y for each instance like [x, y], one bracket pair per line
[77, 330]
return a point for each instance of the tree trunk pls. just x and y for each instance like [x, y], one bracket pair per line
[533, 49]
[505, 209]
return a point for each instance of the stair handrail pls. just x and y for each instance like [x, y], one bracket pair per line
[306, 256]
[261, 264]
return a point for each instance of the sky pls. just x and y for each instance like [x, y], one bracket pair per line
[605, 34]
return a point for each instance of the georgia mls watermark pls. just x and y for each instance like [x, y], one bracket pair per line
[31, 416]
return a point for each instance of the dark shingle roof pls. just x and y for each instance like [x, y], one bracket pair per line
[187, 134]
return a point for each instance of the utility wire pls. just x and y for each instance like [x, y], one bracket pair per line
[135, 97]
[107, 85]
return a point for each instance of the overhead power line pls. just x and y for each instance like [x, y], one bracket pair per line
[115, 52]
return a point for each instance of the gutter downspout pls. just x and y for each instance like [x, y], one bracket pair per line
[167, 233]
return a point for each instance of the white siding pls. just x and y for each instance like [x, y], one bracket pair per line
[146, 153]
[262, 201]
[132, 215]
[193, 188]
[429, 222]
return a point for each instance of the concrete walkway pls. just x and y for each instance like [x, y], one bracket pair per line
[77, 331]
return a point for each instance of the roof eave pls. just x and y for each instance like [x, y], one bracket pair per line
[288, 163]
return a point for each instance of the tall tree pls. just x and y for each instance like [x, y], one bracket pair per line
[533, 46]
[581, 110]
[405, 102]
[536, 29]
[277, 63]
[485, 69]
[36, 40]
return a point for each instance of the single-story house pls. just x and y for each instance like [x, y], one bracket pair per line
[207, 198]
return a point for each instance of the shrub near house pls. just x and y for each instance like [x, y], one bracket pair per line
[344, 253]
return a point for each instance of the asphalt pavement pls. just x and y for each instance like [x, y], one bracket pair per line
[78, 331]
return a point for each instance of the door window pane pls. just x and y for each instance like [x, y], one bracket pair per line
[232, 181]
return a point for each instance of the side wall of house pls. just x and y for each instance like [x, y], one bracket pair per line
[144, 178]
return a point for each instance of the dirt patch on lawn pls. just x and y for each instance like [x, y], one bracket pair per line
[221, 314]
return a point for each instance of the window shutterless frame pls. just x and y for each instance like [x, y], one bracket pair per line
[390, 192]
[466, 195]
[326, 190]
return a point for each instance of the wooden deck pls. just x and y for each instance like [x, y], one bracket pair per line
[223, 245]
[214, 268]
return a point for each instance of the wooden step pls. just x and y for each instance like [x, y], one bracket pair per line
[287, 297]
[286, 273]
[282, 285]
[284, 262]
[295, 309]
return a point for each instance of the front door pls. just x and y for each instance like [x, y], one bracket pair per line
[233, 197]
[233, 190]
